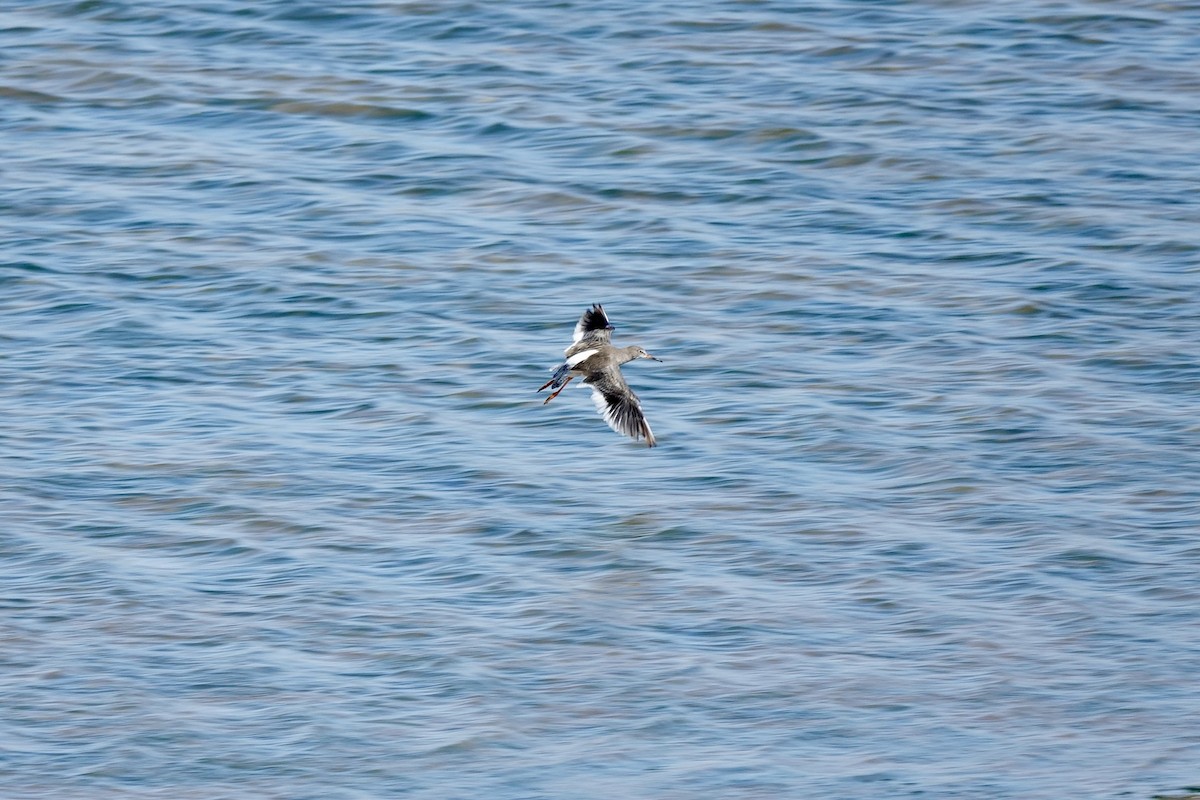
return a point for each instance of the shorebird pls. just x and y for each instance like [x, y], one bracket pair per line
[593, 356]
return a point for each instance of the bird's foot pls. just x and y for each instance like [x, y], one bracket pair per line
[556, 391]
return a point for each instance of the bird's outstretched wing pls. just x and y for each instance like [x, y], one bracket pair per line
[619, 406]
[594, 324]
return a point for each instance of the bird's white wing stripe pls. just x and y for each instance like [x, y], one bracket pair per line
[580, 357]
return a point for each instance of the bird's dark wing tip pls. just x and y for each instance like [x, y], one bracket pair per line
[594, 320]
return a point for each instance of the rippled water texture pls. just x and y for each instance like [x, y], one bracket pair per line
[281, 515]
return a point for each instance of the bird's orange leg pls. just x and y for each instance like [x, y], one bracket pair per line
[556, 391]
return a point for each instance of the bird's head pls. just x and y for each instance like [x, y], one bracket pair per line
[640, 353]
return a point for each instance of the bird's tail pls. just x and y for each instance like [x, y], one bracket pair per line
[558, 378]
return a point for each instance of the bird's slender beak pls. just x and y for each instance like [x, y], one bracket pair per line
[652, 358]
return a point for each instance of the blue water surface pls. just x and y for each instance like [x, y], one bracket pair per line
[282, 516]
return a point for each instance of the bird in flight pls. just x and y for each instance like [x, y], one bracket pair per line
[593, 357]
